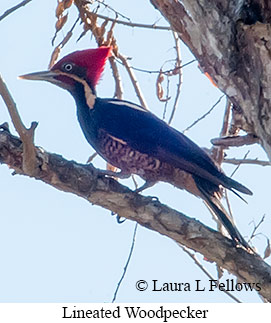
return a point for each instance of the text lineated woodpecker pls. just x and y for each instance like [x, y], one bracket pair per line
[135, 140]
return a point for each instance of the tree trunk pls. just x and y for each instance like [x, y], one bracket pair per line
[232, 42]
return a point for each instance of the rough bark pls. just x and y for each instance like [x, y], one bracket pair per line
[232, 42]
[86, 182]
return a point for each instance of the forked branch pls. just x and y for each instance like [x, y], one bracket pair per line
[29, 164]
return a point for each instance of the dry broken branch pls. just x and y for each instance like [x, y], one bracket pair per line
[29, 164]
[235, 141]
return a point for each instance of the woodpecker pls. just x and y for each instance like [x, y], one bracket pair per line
[137, 142]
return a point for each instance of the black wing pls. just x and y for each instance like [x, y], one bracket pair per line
[144, 132]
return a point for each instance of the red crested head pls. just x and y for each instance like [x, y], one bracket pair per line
[82, 67]
[87, 64]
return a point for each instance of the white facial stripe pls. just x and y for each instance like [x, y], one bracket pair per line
[90, 97]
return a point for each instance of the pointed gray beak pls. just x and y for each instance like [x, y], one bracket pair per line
[40, 76]
[49, 76]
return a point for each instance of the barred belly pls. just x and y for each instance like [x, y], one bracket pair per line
[129, 160]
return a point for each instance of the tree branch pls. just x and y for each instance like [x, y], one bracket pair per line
[180, 75]
[133, 24]
[118, 84]
[134, 81]
[86, 182]
[235, 141]
[27, 135]
[126, 265]
[218, 152]
[9, 11]
[204, 115]
[235, 161]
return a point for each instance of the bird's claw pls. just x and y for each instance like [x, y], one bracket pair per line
[121, 174]
[118, 218]
[5, 126]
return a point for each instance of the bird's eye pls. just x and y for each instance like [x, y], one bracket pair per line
[67, 67]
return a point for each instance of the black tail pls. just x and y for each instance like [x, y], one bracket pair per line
[232, 185]
[224, 218]
[216, 206]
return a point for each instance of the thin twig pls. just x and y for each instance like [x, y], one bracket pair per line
[134, 81]
[218, 152]
[156, 71]
[26, 135]
[235, 161]
[226, 118]
[118, 84]
[131, 24]
[117, 13]
[205, 114]
[167, 98]
[134, 181]
[192, 255]
[256, 227]
[126, 265]
[178, 64]
[9, 11]
[240, 164]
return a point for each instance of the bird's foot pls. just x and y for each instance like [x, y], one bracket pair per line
[121, 174]
[118, 218]
[5, 126]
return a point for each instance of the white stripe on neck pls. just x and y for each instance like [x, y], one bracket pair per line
[89, 96]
